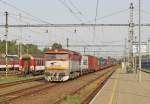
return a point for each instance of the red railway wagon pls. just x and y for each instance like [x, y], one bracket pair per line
[12, 63]
[31, 65]
[89, 63]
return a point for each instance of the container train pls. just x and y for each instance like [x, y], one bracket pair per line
[64, 64]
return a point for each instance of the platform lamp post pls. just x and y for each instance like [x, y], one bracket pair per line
[139, 40]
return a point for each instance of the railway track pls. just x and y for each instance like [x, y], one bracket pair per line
[7, 97]
[103, 78]
[93, 94]
[55, 92]
[4, 85]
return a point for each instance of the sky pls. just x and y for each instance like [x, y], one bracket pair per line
[74, 12]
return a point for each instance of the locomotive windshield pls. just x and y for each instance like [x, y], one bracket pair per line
[56, 56]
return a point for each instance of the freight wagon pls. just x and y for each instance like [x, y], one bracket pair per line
[12, 63]
[105, 62]
[62, 64]
[89, 63]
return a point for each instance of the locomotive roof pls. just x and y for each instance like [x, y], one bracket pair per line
[30, 55]
[26, 56]
[91, 56]
[61, 51]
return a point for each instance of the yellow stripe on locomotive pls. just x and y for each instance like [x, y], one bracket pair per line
[56, 67]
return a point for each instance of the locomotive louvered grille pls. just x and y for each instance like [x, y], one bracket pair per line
[55, 76]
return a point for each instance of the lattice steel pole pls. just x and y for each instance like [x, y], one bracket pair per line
[6, 45]
[140, 40]
[130, 39]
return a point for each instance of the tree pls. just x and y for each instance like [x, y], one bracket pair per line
[56, 46]
[45, 49]
[13, 48]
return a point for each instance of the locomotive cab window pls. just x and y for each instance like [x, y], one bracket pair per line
[57, 56]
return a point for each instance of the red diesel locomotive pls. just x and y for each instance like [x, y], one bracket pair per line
[31, 65]
[62, 64]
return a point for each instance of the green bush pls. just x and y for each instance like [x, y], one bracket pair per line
[74, 99]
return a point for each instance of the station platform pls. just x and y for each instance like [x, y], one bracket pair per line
[123, 88]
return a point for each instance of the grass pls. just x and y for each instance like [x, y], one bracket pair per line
[74, 99]
[11, 79]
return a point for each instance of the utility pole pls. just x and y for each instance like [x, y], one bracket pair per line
[148, 47]
[67, 43]
[130, 40]
[6, 45]
[125, 47]
[20, 44]
[18, 49]
[27, 48]
[84, 50]
[139, 40]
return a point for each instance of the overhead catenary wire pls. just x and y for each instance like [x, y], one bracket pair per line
[27, 12]
[75, 46]
[79, 12]
[108, 15]
[38, 19]
[23, 11]
[26, 18]
[96, 13]
[70, 10]
[26, 23]
[103, 51]
[110, 41]
[13, 16]
[145, 11]
[79, 25]
[74, 13]
[97, 3]
[63, 2]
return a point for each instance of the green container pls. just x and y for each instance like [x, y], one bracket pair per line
[101, 60]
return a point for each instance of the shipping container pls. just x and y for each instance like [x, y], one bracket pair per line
[89, 63]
